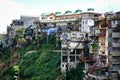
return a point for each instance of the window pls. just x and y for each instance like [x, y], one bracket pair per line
[66, 17]
[95, 15]
[57, 18]
[50, 17]
[85, 22]
[61, 18]
[113, 22]
[62, 65]
[43, 18]
[72, 17]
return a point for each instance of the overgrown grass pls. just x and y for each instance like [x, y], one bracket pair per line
[41, 65]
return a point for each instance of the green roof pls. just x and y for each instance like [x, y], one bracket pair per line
[78, 11]
[58, 13]
[90, 9]
[68, 12]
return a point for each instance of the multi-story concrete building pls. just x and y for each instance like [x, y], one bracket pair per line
[114, 46]
[106, 63]
[96, 63]
[24, 21]
[85, 19]
[72, 46]
[59, 18]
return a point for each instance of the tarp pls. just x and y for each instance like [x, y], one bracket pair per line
[51, 30]
[45, 29]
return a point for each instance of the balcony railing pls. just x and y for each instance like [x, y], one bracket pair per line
[88, 59]
[75, 45]
[101, 33]
[115, 53]
[77, 36]
[116, 49]
[116, 35]
[62, 20]
[115, 44]
[116, 62]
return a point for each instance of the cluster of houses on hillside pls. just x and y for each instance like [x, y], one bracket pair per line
[89, 37]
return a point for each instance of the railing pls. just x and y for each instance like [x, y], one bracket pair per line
[116, 35]
[115, 53]
[88, 59]
[101, 33]
[115, 44]
[75, 45]
[62, 20]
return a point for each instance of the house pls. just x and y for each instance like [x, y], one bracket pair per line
[24, 21]
[72, 46]
[60, 19]
[87, 20]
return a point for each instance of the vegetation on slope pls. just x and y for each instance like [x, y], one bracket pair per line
[41, 65]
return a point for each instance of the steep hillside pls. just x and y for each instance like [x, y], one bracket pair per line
[42, 65]
[37, 64]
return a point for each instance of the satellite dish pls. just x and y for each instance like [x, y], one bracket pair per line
[90, 22]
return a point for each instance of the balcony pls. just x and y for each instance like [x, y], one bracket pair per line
[114, 25]
[115, 53]
[115, 44]
[101, 77]
[64, 46]
[101, 33]
[59, 20]
[98, 72]
[116, 62]
[116, 35]
[98, 77]
[75, 45]
[77, 36]
[88, 59]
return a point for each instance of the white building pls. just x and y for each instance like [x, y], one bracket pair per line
[87, 21]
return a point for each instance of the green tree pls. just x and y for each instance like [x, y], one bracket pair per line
[19, 34]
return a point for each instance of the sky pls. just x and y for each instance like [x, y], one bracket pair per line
[13, 9]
